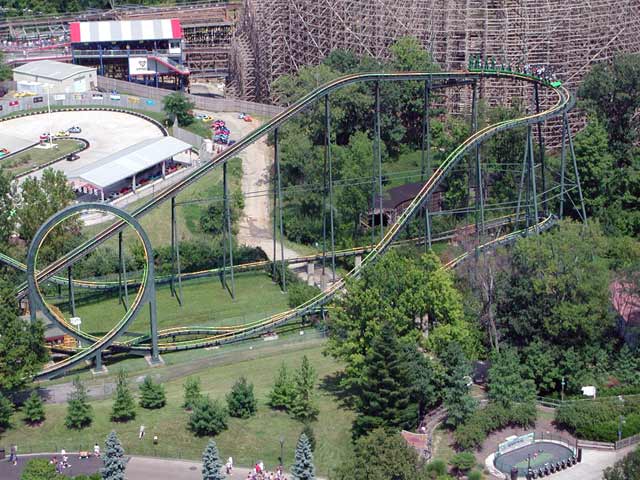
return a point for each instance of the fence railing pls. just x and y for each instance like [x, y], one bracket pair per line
[625, 442]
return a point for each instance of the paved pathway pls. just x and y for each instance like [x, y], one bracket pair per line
[593, 464]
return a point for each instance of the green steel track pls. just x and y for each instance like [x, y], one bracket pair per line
[222, 335]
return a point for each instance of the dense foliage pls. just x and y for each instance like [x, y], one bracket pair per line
[241, 402]
[192, 392]
[177, 105]
[79, 411]
[152, 394]
[6, 412]
[208, 417]
[627, 468]
[33, 409]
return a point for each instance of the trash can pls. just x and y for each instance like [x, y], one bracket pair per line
[514, 473]
[2, 453]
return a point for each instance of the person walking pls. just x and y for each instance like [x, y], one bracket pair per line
[141, 432]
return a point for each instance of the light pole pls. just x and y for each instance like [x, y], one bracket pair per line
[48, 87]
[620, 423]
[562, 391]
[281, 450]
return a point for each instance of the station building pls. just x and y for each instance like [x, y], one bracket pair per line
[36, 77]
[131, 168]
[142, 51]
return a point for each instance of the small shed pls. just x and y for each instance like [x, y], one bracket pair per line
[62, 77]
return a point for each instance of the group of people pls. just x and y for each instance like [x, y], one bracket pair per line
[260, 473]
[544, 72]
[62, 462]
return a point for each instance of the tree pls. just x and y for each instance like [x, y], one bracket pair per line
[177, 105]
[6, 412]
[208, 417]
[459, 403]
[41, 198]
[152, 394]
[241, 402]
[22, 350]
[383, 455]
[5, 69]
[507, 383]
[304, 406]
[79, 412]
[124, 408]
[311, 436]
[303, 468]
[426, 378]
[283, 392]
[192, 392]
[7, 202]
[211, 464]
[384, 399]
[40, 469]
[627, 468]
[33, 409]
[113, 458]
[463, 462]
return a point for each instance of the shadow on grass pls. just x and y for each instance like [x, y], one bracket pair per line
[332, 384]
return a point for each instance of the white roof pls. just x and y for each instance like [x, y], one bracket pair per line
[52, 70]
[130, 161]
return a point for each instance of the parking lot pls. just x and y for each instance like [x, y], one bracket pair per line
[107, 132]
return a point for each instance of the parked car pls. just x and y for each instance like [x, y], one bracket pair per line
[3, 92]
[14, 103]
[44, 136]
[97, 96]
[74, 129]
[242, 115]
[72, 157]
[62, 133]
[247, 118]
[114, 96]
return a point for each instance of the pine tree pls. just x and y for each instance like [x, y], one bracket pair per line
[241, 401]
[33, 409]
[303, 468]
[281, 397]
[113, 459]
[6, 411]
[311, 436]
[208, 417]
[152, 394]
[124, 408]
[304, 406]
[79, 412]
[192, 392]
[385, 395]
[459, 403]
[211, 464]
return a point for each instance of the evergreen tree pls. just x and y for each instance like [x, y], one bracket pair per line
[192, 393]
[281, 397]
[506, 381]
[211, 464]
[33, 409]
[152, 394]
[124, 408]
[311, 436]
[241, 401]
[459, 403]
[384, 399]
[6, 411]
[79, 412]
[304, 406]
[208, 417]
[303, 468]
[113, 458]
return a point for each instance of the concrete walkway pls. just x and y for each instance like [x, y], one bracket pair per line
[593, 464]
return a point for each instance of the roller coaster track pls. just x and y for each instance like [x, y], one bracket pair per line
[228, 334]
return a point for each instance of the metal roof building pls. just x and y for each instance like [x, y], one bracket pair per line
[129, 162]
[125, 30]
[63, 77]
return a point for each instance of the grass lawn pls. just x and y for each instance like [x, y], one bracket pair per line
[205, 302]
[33, 156]
[541, 459]
[247, 441]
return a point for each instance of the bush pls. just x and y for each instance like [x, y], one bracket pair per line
[436, 468]
[40, 469]
[192, 393]
[475, 475]
[240, 400]
[494, 416]
[152, 394]
[33, 409]
[599, 420]
[463, 461]
[300, 292]
[208, 417]
[6, 411]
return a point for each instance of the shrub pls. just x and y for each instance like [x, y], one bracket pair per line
[208, 417]
[152, 394]
[192, 392]
[475, 475]
[40, 469]
[240, 400]
[33, 409]
[463, 461]
[599, 420]
[6, 411]
[79, 412]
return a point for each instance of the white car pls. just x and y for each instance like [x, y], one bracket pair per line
[114, 96]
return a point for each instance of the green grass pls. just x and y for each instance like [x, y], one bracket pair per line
[33, 157]
[541, 459]
[205, 302]
[247, 440]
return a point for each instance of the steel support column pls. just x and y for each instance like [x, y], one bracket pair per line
[228, 235]
[98, 361]
[543, 179]
[72, 297]
[123, 271]
[479, 193]
[328, 160]
[279, 187]
[153, 316]
[532, 173]
[275, 213]
[425, 155]
[379, 158]
[175, 254]
[563, 166]
[525, 163]
[575, 168]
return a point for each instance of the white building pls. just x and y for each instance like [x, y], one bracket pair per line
[63, 77]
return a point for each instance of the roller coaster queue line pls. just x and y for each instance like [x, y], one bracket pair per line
[243, 267]
[564, 103]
